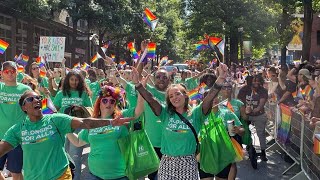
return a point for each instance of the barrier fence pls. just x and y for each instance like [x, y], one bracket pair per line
[293, 133]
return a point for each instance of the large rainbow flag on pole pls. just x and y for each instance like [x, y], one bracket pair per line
[3, 46]
[285, 125]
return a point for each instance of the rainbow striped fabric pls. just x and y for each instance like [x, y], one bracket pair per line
[151, 50]
[132, 49]
[197, 92]
[150, 19]
[85, 66]
[42, 73]
[284, 129]
[48, 107]
[3, 46]
[40, 62]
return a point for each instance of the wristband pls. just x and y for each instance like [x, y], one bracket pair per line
[139, 85]
[217, 86]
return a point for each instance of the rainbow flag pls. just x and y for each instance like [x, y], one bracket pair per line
[3, 46]
[213, 41]
[163, 61]
[201, 45]
[43, 73]
[85, 66]
[133, 50]
[307, 92]
[150, 19]
[238, 150]
[113, 57]
[316, 144]
[22, 59]
[151, 50]
[20, 69]
[25, 58]
[94, 58]
[194, 94]
[48, 107]
[40, 62]
[122, 63]
[284, 129]
[77, 66]
[221, 46]
[229, 106]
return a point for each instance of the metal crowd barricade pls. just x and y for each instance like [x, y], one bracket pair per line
[300, 144]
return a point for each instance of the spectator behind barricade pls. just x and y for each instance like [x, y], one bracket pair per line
[304, 93]
[246, 88]
[289, 86]
[273, 84]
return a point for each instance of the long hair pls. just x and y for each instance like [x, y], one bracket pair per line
[183, 90]
[260, 79]
[96, 109]
[82, 86]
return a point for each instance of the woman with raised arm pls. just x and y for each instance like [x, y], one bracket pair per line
[42, 138]
[104, 140]
[178, 141]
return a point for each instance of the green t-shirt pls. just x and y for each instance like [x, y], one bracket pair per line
[62, 102]
[10, 110]
[95, 89]
[57, 80]
[41, 141]
[105, 159]
[20, 76]
[87, 81]
[177, 137]
[236, 105]
[131, 95]
[44, 82]
[191, 83]
[153, 125]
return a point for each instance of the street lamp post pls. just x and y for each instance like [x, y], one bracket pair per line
[240, 30]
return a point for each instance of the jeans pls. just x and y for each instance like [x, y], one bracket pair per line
[90, 176]
[260, 123]
[76, 154]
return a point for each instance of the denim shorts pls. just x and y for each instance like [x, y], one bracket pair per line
[14, 160]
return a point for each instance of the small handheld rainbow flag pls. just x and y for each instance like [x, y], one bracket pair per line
[25, 58]
[151, 50]
[22, 59]
[48, 107]
[133, 50]
[150, 19]
[40, 62]
[3, 46]
[197, 93]
[163, 61]
[113, 57]
[95, 58]
[42, 73]
[122, 63]
[20, 69]
[77, 66]
[229, 106]
[85, 66]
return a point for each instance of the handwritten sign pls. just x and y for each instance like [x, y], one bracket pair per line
[52, 48]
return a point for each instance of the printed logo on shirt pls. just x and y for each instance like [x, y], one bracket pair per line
[38, 136]
[9, 98]
[69, 101]
[104, 130]
[176, 125]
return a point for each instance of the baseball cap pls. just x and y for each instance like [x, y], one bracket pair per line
[9, 64]
[305, 72]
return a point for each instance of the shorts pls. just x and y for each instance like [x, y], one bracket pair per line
[14, 160]
[222, 174]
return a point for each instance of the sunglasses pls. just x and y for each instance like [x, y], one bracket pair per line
[162, 77]
[105, 101]
[35, 68]
[28, 84]
[31, 99]
[227, 87]
[7, 71]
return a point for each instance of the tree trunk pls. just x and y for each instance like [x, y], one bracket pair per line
[30, 43]
[283, 55]
[234, 41]
[307, 28]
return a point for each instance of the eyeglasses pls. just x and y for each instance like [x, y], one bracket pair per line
[105, 101]
[226, 87]
[162, 77]
[35, 68]
[7, 71]
[31, 99]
